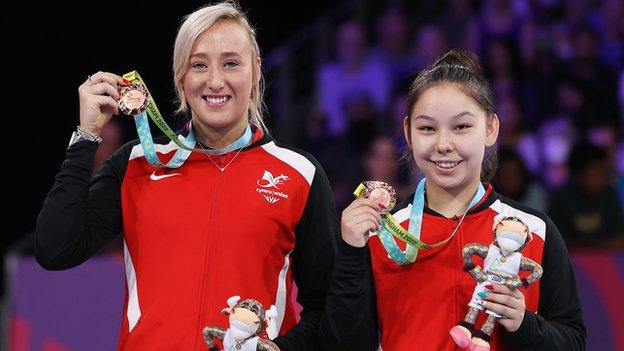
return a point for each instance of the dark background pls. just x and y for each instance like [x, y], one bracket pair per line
[49, 50]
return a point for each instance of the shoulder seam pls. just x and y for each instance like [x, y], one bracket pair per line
[537, 221]
[301, 161]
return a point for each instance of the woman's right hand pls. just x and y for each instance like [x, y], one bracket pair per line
[360, 217]
[98, 101]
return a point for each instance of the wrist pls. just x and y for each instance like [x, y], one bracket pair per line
[349, 249]
[354, 242]
[469, 267]
[89, 130]
[81, 135]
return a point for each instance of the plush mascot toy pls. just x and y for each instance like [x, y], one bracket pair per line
[247, 320]
[502, 263]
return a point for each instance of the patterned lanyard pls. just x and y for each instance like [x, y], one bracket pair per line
[391, 227]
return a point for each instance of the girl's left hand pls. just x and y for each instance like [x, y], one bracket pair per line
[507, 302]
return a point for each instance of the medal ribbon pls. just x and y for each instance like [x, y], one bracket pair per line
[391, 227]
[239, 143]
[186, 145]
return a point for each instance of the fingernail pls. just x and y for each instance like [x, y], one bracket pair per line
[482, 294]
[126, 82]
[489, 287]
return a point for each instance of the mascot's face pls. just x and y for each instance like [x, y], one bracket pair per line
[511, 235]
[243, 322]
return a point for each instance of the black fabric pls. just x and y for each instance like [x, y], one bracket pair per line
[311, 272]
[80, 215]
[469, 326]
[350, 321]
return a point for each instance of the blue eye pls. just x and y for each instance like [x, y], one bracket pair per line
[230, 64]
[198, 65]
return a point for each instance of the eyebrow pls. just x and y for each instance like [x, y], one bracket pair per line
[223, 54]
[461, 114]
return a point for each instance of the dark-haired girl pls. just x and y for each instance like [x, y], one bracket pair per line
[408, 298]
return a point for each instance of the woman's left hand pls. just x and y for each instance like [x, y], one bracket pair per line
[509, 303]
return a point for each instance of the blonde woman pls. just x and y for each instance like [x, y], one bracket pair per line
[251, 218]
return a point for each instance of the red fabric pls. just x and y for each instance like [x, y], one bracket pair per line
[207, 251]
[426, 299]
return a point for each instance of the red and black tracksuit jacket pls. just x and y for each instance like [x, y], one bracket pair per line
[375, 302]
[195, 236]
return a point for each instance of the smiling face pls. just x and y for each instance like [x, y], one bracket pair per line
[219, 77]
[448, 133]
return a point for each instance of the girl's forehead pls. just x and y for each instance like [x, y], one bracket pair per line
[439, 96]
[445, 101]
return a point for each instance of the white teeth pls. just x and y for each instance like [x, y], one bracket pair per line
[447, 164]
[216, 100]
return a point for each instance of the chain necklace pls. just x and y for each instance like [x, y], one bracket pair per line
[222, 169]
[243, 141]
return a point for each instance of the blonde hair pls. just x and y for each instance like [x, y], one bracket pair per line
[193, 26]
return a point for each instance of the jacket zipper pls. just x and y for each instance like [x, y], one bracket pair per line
[458, 248]
[210, 226]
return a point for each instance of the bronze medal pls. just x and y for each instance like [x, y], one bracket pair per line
[133, 99]
[382, 193]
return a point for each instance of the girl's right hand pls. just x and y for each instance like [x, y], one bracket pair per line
[360, 217]
[98, 101]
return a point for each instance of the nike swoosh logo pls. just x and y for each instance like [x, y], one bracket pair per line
[153, 176]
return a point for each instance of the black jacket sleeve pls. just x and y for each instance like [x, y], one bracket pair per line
[350, 318]
[312, 260]
[558, 323]
[79, 215]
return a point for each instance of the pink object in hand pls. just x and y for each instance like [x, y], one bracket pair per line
[460, 337]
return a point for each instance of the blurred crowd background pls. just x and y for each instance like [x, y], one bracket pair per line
[337, 86]
[557, 72]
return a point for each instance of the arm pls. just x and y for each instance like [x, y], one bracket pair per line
[213, 332]
[527, 264]
[266, 345]
[312, 260]
[475, 271]
[79, 216]
[558, 323]
[350, 319]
